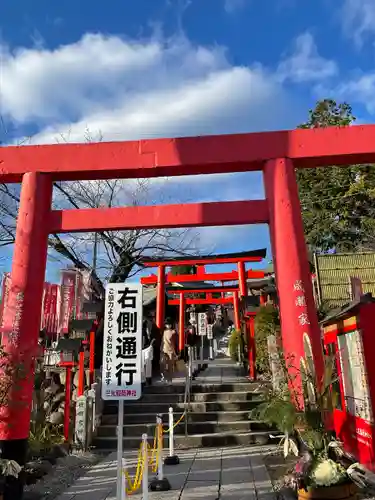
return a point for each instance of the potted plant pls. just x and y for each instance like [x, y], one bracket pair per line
[317, 473]
[8, 468]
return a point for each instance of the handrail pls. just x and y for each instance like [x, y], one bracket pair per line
[188, 383]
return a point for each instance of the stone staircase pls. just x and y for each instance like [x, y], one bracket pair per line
[221, 401]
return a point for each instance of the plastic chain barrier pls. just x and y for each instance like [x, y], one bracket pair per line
[146, 455]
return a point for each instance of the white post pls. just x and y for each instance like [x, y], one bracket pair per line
[211, 349]
[145, 468]
[160, 445]
[201, 353]
[190, 362]
[171, 433]
[120, 429]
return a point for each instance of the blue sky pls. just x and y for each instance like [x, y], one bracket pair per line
[160, 68]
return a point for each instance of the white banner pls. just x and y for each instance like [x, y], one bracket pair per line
[122, 348]
[210, 333]
[202, 324]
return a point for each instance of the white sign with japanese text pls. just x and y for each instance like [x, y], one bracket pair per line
[202, 324]
[122, 343]
[210, 333]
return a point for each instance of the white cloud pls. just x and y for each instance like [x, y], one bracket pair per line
[126, 89]
[359, 89]
[358, 19]
[305, 64]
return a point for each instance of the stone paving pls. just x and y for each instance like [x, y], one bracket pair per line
[236, 473]
[230, 473]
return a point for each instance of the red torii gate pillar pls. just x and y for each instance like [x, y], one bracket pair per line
[22, 316]
[236, 311]
[297, 309]
[160, 298]
[242, 279]
[181, 326]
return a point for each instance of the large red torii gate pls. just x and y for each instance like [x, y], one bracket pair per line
[277, 154]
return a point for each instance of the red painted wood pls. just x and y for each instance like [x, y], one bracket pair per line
[236, 310]
[242, 278]
[190, 155]
[68, 397]
[92, 357]
[292, 270]
[181, 323]
[185, 278]
[185, 291]
[214, 260]
[23, 312]
[160, 298]
[226, 213]
[226, 300]
[81, 374]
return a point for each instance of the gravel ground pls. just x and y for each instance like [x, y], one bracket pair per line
[62, 475]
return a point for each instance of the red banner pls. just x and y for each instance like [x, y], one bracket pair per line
[46, 306]
[52, 322]
[68, 283]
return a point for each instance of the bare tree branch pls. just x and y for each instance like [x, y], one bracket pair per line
[119, 252]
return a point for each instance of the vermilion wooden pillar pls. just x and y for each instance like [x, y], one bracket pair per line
[251, 350]
[236, 311]
[181, 331]
[242, 279]
[160, 298]
[263, 299]
[22, 316]
[297, 308]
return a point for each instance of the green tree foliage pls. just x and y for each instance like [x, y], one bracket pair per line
[177, 270]
[267, 322]
[338, 203]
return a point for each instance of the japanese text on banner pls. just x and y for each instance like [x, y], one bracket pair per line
[122, 356]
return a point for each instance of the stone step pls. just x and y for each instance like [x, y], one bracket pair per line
[179, 388]
[163, 408]
[195, 397]
[214, 427]
[149, 418]
[192, 441]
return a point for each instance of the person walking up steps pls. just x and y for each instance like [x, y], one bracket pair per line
[168, 352]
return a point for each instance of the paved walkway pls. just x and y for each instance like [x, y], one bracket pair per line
[236, 473]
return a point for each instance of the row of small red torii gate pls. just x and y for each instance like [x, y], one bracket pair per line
[276, 154]
[238, 291]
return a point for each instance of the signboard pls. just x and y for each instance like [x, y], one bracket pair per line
[202, 324]
[122, 343]
[193, 318]
[210, 333]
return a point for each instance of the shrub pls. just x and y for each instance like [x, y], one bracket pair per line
[235, 340]
[267, 322]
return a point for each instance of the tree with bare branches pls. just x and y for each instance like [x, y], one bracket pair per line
[113, 255]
